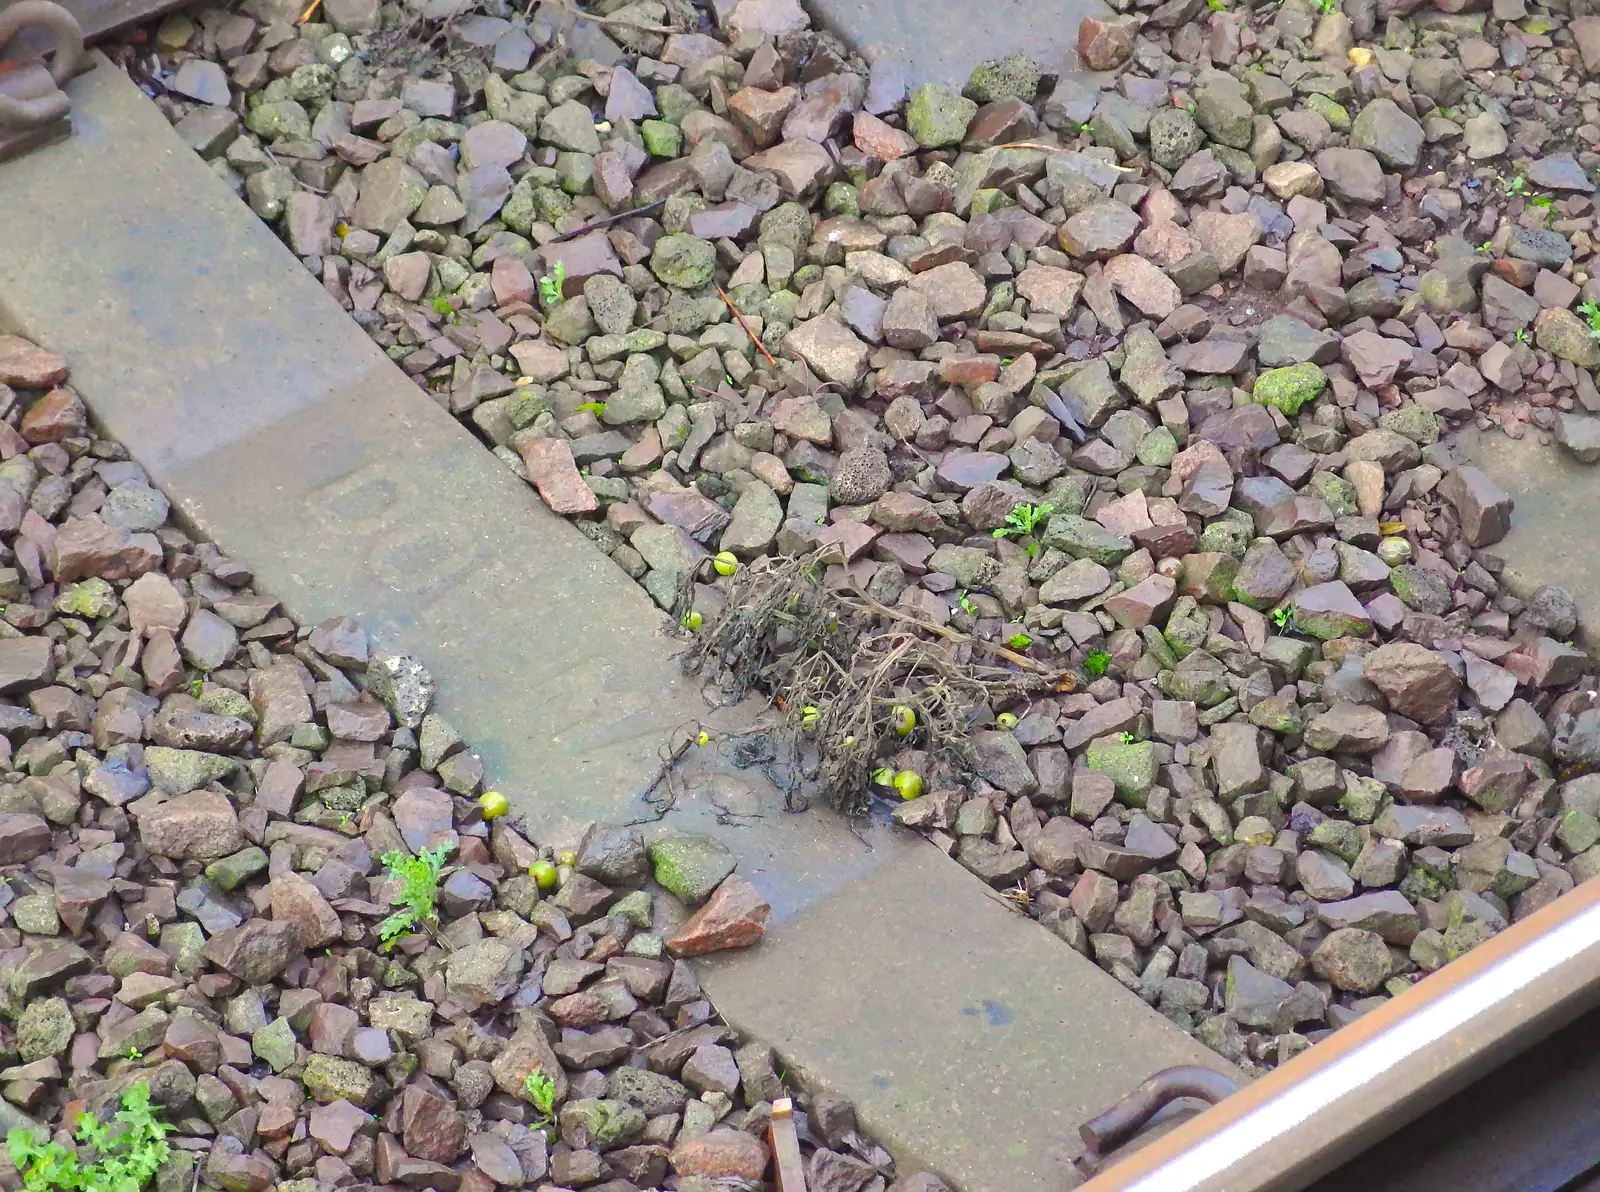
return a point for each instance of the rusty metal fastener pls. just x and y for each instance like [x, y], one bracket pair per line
[1127, 1117]
[31, 95]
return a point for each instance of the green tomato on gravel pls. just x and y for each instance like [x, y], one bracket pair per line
[909, 784]
[1006, 720]
[902, 719]
[725, 563]
[692, 620]
[543, 873]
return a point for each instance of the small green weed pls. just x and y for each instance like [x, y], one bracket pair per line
[1522, 335]
[1486, 246]
[1327, 7]
[965, 601]
[1023, 519]
[1217, 5]
[1282, 617]
[551, 285]
[1543, 202]
[597, 408]
[1516, 186]
[196, 686]
[443, 306]
[1591, 313]
[125, 1159]
[1125, 738]
[1096, 662]
[1190, 107]
[1019, 641]
[541, 1091]
[419, 890]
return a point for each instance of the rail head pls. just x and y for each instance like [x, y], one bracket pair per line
[1340, 1097]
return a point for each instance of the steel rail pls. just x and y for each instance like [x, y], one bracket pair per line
[1338, 1098]
[100, 18]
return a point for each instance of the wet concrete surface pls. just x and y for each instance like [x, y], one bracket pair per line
[1555, 527]
[940, 41]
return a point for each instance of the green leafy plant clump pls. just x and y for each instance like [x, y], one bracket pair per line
[1096, 663]
[541, 1091]
[1283, 618]
[1023, 520]
[552, 284]
[1591, 314]
[419, 891]
[126, 1157]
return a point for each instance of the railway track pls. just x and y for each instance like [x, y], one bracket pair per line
[1485, 1077]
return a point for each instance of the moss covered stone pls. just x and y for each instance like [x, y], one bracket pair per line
[1131, 765]
[1290, 388]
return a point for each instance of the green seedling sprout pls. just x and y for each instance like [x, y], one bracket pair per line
[1023, 520]
[965, 601]
[1541, 201]
[1282, 617]
[597, 408]
[1327, 7]
[1097, 662]
[1591, 314]
[551, 285]
[1125, 738]
[1522, 335]
[1019, 641]
[541, 1091]
[1516, 186]
[419, 891]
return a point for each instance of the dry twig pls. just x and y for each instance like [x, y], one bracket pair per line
[733, 310]
[829, 661]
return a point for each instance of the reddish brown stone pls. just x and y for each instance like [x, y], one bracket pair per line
[194, 1042]
[800, 168]
[336, 1125]
[553, 472]
[430, 1126]
[1104, 43]
[22, 838]
[26, 364]
[582, 257]
[877, 139]
[512, 281]
[721, 1154]
[59, 414]
[735, 916]
[295, 900]
[969, 371]
[87, 547]
[161, 663]
[760, 114]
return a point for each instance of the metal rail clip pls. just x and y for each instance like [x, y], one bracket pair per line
[1117, 1125]
[34, 110]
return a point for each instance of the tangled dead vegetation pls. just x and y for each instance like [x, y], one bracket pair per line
[841, 666]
